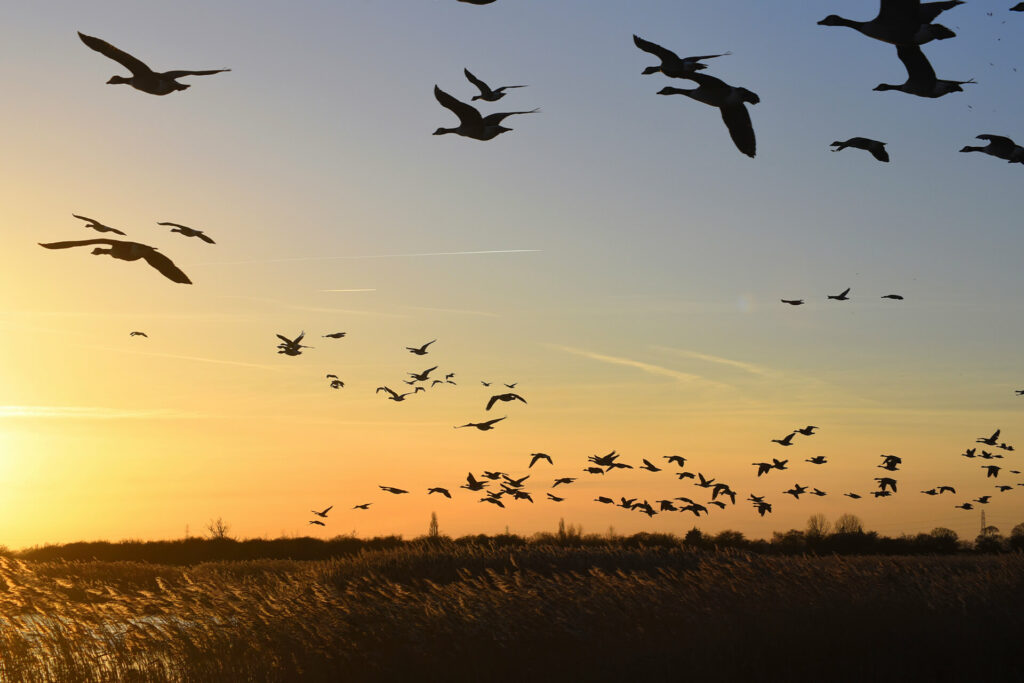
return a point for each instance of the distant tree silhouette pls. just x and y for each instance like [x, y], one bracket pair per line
[218, 529]
[848, 524]
[694, 538]
[818, 526]
[989, 540]
[1017, 537]
[434, 531]
[730, 539]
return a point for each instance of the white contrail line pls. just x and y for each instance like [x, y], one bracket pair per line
[749, 367]
[346, 290]
[198, 359]
[369, 256]
[640, 365]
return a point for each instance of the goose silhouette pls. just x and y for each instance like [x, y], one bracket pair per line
[143, 78]
[128, 251]
[842, 296]
[563, 480]
[730, 101]
[189, 232]
[471, 123]
[420, 350]
[671, 64]
[793, 302]
[876, 148]
[921, 80]
[486, 93]
[323, 513]
[505, 398]
[534, 457]
[97, 226]
[437, 489]
[482, 426]
[900, 22]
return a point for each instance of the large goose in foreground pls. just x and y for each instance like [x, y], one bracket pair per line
[129, 251]
[671, 64]
[901, 22]
[730, 101]
[921, 79]
[143, 78]
[471, 123]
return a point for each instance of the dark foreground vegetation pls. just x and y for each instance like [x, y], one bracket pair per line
[436, 609]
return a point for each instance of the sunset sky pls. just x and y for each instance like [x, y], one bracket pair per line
[614, 255]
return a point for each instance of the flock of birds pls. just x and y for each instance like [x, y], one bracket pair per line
[905, 24]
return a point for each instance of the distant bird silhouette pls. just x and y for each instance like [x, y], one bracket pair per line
[817, 460]
[817, 492]
[422, 376]
[666, 505]
[504, 398]
[482, 426]
[512, 386]
[138, 334]
[563, 480]
[420, 350]
[704, 483]
[969, 453]
[991, 470]
[486, 384]
[437, 489]
[796, 491]
[472, 484]
[671, 64]
[594, 470]
[97, 226]
[486, 93]
[762, 467]
[493, 475]
[723, 490]
[334, 335]
[990, 441]
[337, 384]
[930, 492]
[895, 297]
[317, 522]
[534, 457]
[449, 376]
[793, 302]
[129, 251]
[842, 296]
[876, 148]
[855, 496]
[490, 499]
[471, 123]
[362, 506]
[900, 23]
[392, 489]
[806, 431]
[554, 498]
[1004, 488]
[292, 347]
[331, 376]
[786, 440]
[143, 78]
[685, 475]
[392, 394]
[779, 464]
[1005, 447]
[515, 482]
[649, 466]
[921, 80]
[890, 462]
[964, 506]
[679, 460]
[1019, 7]
[730, 101]
[947, 489]
[881, 494]
[886, 481]
[1000, 147]
[982, 499]
[604, 499]
[323, 513]
[763, 507]
[436, 382]
[189, 232]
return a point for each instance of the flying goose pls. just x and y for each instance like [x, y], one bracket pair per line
[817, 460]
[649, 466]
[890, 462]
[138, 334]
[886, 481]
[876, 148]
[534, 457]
[317, 522]
[189, 232]
[806, 431]
[554, 498]
[493, 475]
[762, 467]
[129, 251]
[97, 226]
[842, 296]
[334, 335]
[504, 397]
[900, 22]
[362, 506]
[392, 489]
[471, 123]
[671, 65]
[990, 441]
[422, 376]
[793, 302]
[894, 297]
[786, 440]
[982, 499]
[1000, 147]
[796, 491]
[730, 101]
[392, 394]
[291, 347]
[921, 79]
[482, 426]
[964, 506]
[437, 489]
[420, 350]
[817, 492]
[486, 94]
[143, 78]
[991, 470]
[323, 513]
[854, 496]
[678, 459]
[472, 484]
[337, 384]
[779, 464]
[1019, 7]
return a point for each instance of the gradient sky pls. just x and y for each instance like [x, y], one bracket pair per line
[615, 255]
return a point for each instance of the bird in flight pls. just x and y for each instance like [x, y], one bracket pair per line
[323, 513]
[991, 470]
[1000, 147]
[334, 335]
[486, 93]
[337, 384]
[471, 123]
[649, 466]
[97, 226]
[292, 347]
[505, 398]
[437, 489]
[482, 426]
[393, 395]
[817, 460]
[420, 350]
[671, 64]
[900, 23]
[392, 489]
[854, 496]
[189, 232]
[876, 148]
[921, 79]
[138, 334]
[143, 78]
[990, 441]
[806, 431]
[842, 296]
[317, 522]
[554, 498]
[786, 440]
[129, 251]
[894, 297]
[730, 102]
[362, 506]
[422, 376]
[886, 481]
[534, 457]
[793, 302]
[678, 459]
[563, 480]
[472, 484]
[762, 467]
[890, 462]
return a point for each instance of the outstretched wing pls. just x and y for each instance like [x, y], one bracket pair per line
[467, 113]
[657, 50]
[77, 243]
[918, 66]
[136, 66]
[484, 88]
[496, 118]
[737, 120]
[166, 267]
[492, 401]
[178, 74]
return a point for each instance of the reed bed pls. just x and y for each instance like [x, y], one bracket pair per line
[437, 611]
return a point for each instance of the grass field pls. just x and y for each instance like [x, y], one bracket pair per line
[437, 611]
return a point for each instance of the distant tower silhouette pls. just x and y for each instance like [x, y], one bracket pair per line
[983, 522]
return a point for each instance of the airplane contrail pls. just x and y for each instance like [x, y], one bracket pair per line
[369, 256]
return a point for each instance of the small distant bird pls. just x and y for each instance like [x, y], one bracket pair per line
[534, 457]
[649, 466]
[1005, 447]
[900, 23]
[685, 475]
[334, 335]
[982, 499]
[392, 394]
[128, 251]
[964, 506]
[930, 492]
[337, 384]
[436, 382]
[331, 376]
[947, 489]
[679, 460]
[969, 453]
[817, 460]
[806, 431]
[894, 297]
[517, 483]
[323, 513]
[471, 123]
[392, 489]
[921, 80]
[189, 232]
[763, 507]
[604, 499]
[138, 334]
[854, 496]
[482, 426]
[886, 481]
[512, 386]
[472, 484]
[437, 489]
[876, 148]
[1004, 488]
[991, 470]
[594, 470]
[317, 522]
[486, 384]
[786, 440]
[881, 494]
[493, 475]
[505, 398]
[779, 464]
[671, 65]
[730, 101]
[719, 503]
[486, 93]
[97, 226]
[704, 483]
[842, 296]
[990, 441]
[890, 462]
[817, 492]
[291, 347]
[143, 78]
[793, 302]
[796, 491]
[666, 505]
[422, 376]
[420, 350]
[998, 146]
[762, 467]
[555, 498]
[362, 506]
[449, 376]
[563, 480]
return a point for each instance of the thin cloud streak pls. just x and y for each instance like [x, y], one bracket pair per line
[347, 290]
[198, 359]
[369, 256]
[640, 365]
[93, 413]
[748, 367]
